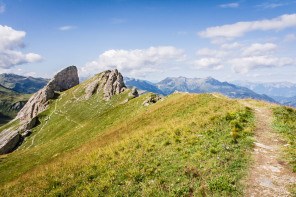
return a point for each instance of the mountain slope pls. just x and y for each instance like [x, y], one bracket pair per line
[142, 85]
[181, 145]
[283, 92]
[10, 103]
[273, 89]
[208, 85]
[26, 85]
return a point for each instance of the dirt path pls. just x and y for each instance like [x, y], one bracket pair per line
[269, 175]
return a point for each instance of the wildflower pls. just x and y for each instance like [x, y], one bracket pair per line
[218, 157]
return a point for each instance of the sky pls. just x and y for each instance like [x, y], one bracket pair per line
[151, 39]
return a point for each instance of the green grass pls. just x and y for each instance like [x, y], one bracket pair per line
[285, 123]
[7, 98]
[185, 144]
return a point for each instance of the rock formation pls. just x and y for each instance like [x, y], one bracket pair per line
[9, 139]
[134, 93]
[111, 82]
[63, 80]
[114, 85]
[151, 100]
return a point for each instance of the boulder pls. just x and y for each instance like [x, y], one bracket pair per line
[133, 93]
[151, 100]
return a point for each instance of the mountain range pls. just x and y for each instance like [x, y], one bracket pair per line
[197, 85]
[22, 84]
[283, 92]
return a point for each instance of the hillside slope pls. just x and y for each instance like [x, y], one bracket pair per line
[10, 103]
[185, 144]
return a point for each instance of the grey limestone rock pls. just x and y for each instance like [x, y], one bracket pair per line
[151, 100]
[114, 85]
[9, 139]
[63, 80]
[111, 82]
[133, 93]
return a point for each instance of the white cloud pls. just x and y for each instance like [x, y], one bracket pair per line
[229, 5]
[240, 28]
[9, 40]
[231, 45]
[2, 9]
[245, 64]
[290, 38]
[18, 71]
[241, 58]
[133, 62]
[210, 53]
[65, 28]
[267, 5]
[258, 49]
[213, 63]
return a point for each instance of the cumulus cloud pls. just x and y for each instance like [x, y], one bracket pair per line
[290, 38]
[67, 27]
[2, 9]
[241, 58]
[245, 64]
[135, 62]
[208, 62]
[240, 28]
[231, 45]
[211, 53]
[229, 5]
[259, 49]
[11, 39]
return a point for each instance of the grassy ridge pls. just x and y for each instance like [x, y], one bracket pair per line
[285, 123]
[187, 144]
[69, 122]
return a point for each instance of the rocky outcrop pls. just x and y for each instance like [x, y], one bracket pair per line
[114, 85]
[63, 80]
[111, 82]
[134, 93]
[151, 100]
[9, 140]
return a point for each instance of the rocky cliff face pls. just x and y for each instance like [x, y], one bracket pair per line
[111, 82]
[63, 80]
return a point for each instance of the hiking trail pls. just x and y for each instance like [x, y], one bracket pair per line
[269, 175]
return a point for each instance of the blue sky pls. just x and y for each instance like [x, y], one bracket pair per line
[228, 40]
